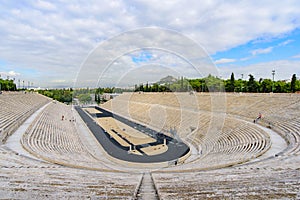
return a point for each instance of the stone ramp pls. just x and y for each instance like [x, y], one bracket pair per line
[147, 190]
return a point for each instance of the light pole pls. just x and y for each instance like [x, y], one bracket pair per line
[8, 87]
[273, 73]
[242, 82]
[220, 83]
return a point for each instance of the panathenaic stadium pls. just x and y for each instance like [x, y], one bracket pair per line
[177, 146]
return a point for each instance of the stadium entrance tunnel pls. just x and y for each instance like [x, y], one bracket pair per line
[129, 141]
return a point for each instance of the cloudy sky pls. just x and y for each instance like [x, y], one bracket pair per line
[48, 42]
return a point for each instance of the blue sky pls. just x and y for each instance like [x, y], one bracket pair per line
[252, 52]
[142, 57]
[47, 42]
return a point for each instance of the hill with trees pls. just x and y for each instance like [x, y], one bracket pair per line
[216, 84]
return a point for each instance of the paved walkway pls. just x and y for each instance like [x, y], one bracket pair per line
[147, 189]
[278, 144]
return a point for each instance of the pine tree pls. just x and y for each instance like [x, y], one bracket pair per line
[293, 83]
[232, 80]
[147, 87]
[96, 97]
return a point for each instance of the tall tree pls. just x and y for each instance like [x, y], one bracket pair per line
[266, 86]
[147, 87]
[155, 87]
[293, 83]
[96, 97]
[141, 87]
[231, 85]
[252, 84]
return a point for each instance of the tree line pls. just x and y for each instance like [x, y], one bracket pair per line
[83, 95]
[7, 85]
[208, 84]
[215, 84]
[61, 95]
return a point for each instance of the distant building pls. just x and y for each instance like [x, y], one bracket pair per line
[108, 96]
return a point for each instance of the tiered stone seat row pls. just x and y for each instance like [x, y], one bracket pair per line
[25, 178]
[227, 148]
[15, 109]
[214, 135]
[289, 129]
[57, 140]
[160, 117]
[11, 159]
[284, 119]
[232, 183]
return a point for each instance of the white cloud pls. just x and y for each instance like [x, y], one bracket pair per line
[296, 56]
[174, 53]
[270, 49]
[58, 81]
[262, 51]
[224, 60]
[284, 69]
[54, 37]
[10, 74]
[285, 43]
[245, 58]
[220, 25]
[45, 5]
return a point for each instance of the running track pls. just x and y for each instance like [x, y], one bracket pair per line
[175, 149]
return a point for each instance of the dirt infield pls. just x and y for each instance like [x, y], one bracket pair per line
[92, 110]
[134, 136]
[155, 150]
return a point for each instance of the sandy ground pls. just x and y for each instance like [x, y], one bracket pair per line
[134, 136]
[154, 150]
[92, 110]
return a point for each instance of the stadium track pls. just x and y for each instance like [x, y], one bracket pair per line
[175, 149]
